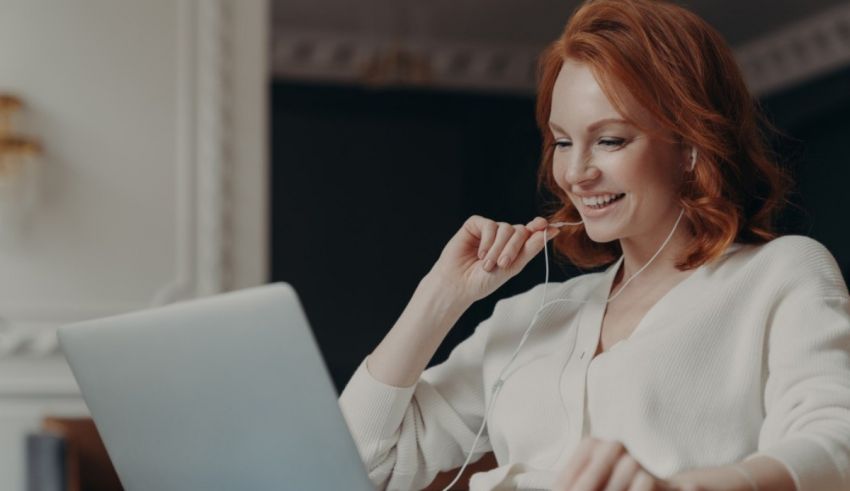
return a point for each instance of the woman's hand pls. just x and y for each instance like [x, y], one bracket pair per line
[603, 465]
[484, 254]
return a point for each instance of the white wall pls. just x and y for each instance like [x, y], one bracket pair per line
[153, 117]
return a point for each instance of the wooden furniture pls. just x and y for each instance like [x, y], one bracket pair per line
[485, 463]
[88, 467]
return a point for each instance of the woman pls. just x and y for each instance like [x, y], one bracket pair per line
[710, 354]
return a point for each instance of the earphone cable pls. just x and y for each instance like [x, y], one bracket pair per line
[497, 386]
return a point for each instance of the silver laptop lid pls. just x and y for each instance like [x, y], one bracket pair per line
[222, 393]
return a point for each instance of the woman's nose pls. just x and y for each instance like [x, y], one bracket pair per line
[580, 169]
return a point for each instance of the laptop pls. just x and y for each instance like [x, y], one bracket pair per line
[227, 392]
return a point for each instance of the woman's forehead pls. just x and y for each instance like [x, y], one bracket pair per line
[577, 87]
[578, 96]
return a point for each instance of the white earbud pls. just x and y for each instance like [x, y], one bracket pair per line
[693, 157]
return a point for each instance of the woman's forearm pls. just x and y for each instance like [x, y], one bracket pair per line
[407, 348]
[767, 474]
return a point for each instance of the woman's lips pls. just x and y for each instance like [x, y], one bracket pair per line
[595, 212]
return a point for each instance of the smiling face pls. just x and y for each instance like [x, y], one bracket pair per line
[599, 156]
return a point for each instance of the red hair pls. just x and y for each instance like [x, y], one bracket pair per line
[683, 73]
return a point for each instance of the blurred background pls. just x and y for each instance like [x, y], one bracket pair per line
[157, 151]
[393, 121]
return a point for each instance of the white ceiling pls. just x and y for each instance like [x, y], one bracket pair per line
[526, 23]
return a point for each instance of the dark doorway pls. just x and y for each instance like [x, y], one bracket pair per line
[367, 186]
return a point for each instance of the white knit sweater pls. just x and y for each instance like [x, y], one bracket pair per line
[749, 354]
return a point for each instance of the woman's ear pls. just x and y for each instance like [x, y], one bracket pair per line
[689, 154]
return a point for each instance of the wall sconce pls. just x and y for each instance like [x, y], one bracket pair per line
[19, 169]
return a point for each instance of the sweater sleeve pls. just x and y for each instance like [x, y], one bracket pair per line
[807, 392]
[406, 435]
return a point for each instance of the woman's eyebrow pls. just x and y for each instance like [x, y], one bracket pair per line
[592, 127]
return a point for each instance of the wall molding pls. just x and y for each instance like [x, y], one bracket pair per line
[778, 60]
[204, 255]
[215, 147]
[204, 259]
[802, 51]
[353, 59]
[30, 331]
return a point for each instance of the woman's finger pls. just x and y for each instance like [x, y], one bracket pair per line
[514, 246]
[534, 244]
[488, 235]
[623, 474]
[643, 481]
[538, 223]
[599, 469]
[580, 457]
[503, 233]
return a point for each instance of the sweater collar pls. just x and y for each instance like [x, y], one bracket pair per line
[611, 271]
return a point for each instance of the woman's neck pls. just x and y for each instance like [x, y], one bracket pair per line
[638, 251]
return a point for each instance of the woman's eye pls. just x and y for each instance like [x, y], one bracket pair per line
[612, 142]
[562, 144]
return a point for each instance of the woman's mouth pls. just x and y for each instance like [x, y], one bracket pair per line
[600, 202]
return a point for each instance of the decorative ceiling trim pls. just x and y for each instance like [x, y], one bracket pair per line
[799, 52]
[787, 57]
[335, 58]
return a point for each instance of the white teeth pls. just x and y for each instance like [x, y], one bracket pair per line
[599, 200]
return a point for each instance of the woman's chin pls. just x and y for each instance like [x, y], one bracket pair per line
[600, 235]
